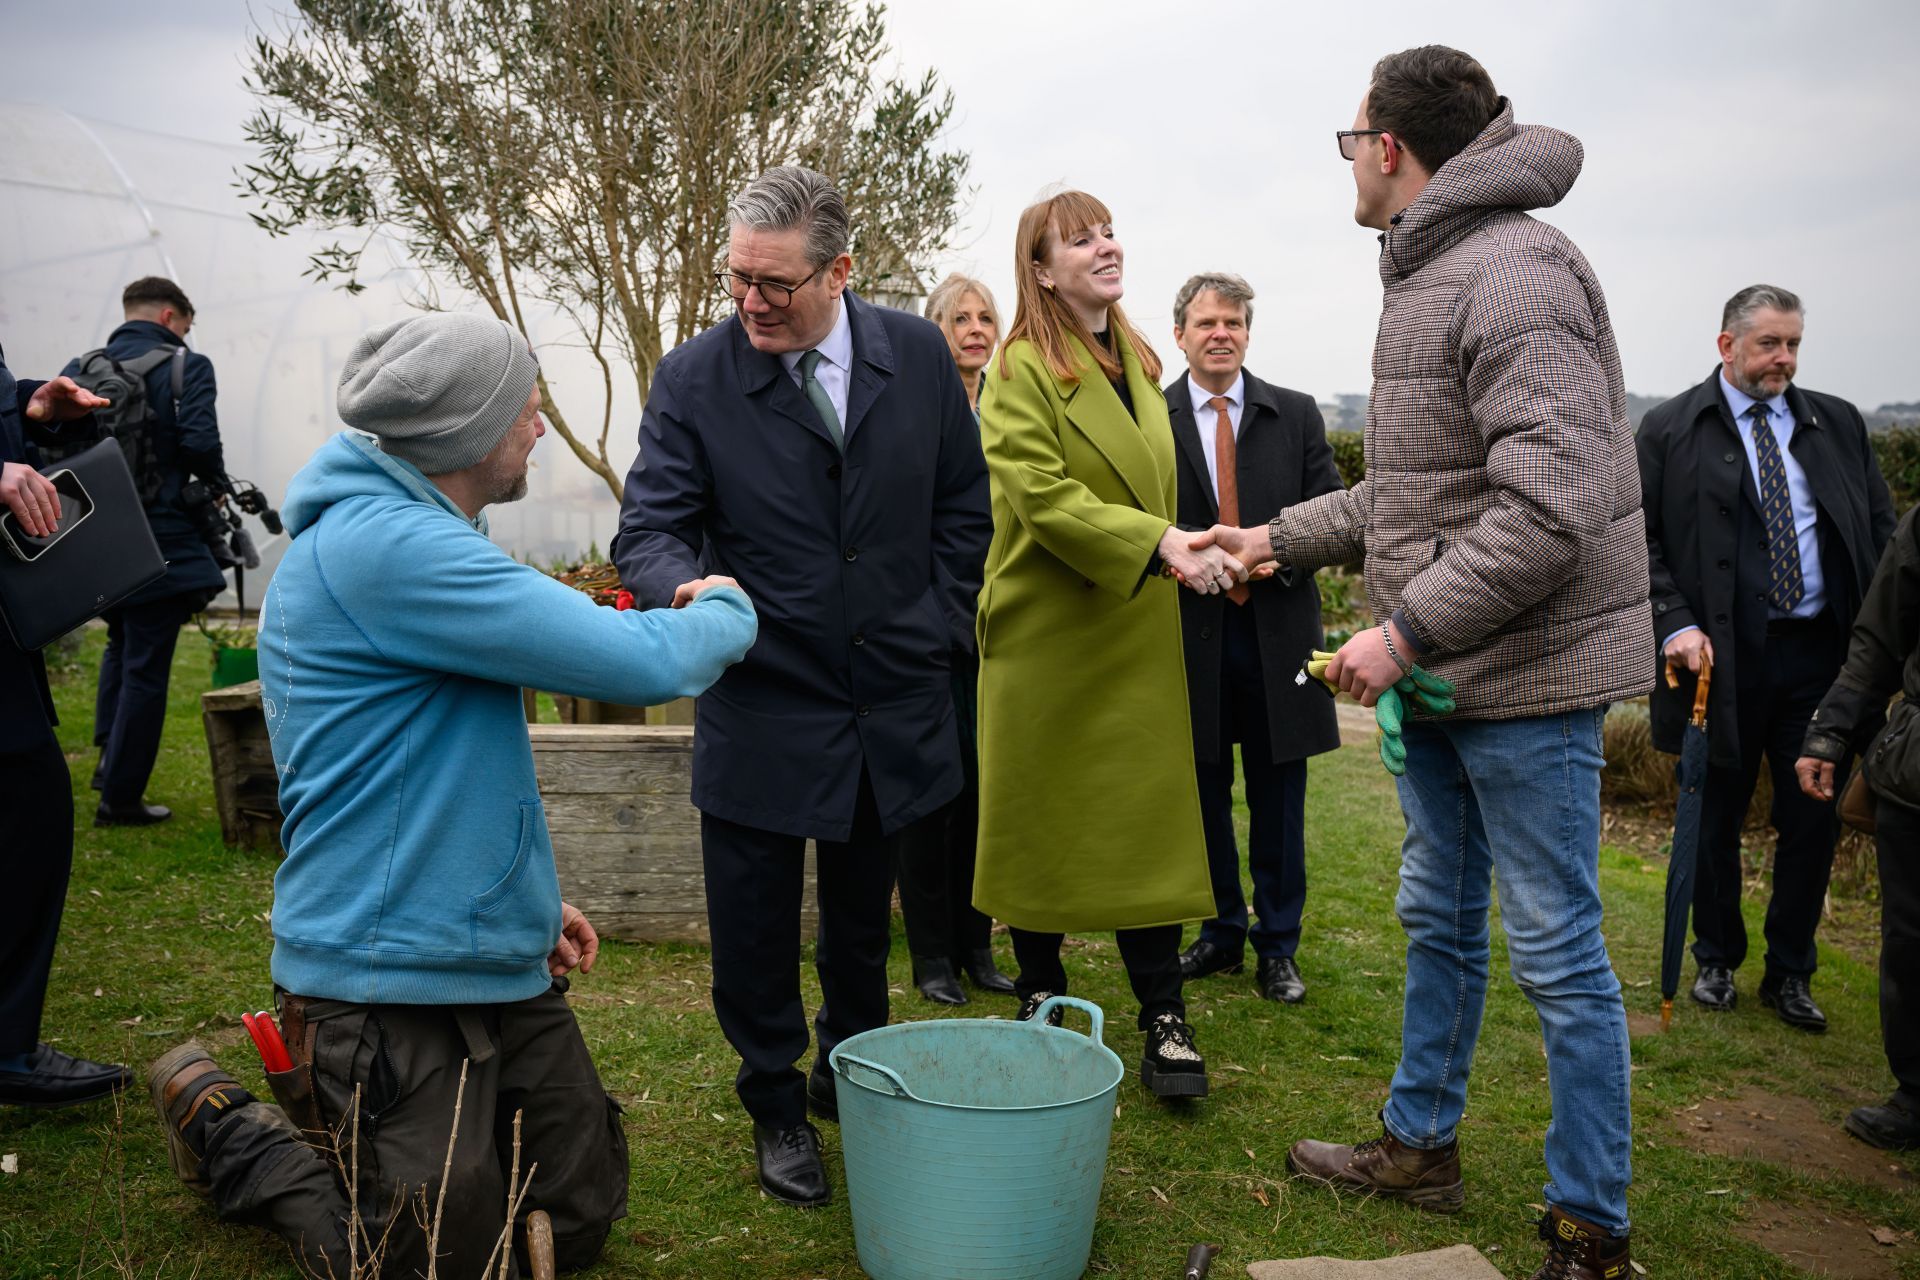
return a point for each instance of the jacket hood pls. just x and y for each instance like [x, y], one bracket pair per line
[1508, 167]
[351, 465]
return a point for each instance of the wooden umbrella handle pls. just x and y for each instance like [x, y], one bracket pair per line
[1700, 691]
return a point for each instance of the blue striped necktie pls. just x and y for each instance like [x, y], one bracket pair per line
[1785, 586]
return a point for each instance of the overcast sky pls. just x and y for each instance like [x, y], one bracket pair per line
[1726, 144]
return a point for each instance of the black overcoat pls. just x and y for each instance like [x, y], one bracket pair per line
[1284, 459]
[26, 707]
[865, 569]
[1707, 541]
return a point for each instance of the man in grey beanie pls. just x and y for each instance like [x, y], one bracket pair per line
[420, 944]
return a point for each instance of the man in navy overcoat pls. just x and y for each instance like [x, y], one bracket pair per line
[819, 449]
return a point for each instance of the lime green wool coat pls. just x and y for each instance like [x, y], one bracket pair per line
[1089, 811]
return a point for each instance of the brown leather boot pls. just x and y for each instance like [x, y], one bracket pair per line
[182, 1082]
[1384, 1166]
[1578, 1250]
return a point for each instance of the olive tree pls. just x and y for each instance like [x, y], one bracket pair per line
[580, 153]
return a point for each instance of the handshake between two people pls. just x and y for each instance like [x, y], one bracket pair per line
[1218, 559]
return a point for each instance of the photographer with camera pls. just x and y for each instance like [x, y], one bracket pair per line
[164, 419]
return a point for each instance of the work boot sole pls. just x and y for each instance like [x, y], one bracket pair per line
[1172, 1084]
[165, 1068]
[1442, 1199]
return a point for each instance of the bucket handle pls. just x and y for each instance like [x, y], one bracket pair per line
[1087, 1007]
[847, 1060]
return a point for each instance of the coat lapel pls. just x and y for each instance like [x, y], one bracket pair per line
[1812, 448]
[1140, 452]
[1186, 436]
[872, 362]
[765, 380]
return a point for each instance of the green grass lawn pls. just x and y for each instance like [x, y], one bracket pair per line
[166, 935]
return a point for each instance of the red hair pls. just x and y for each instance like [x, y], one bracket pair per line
[1041, 317]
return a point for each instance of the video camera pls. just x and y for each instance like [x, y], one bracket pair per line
[221, 527]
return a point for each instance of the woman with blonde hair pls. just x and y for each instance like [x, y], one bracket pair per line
[946, 935]
[964, 309]
[1089, 807]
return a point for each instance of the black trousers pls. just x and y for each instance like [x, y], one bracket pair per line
[1276, 810]
[36, 835]
[130, 706]
[754, 881]
[525, 1057]
[1897, 840]
[1777, 697]
[1152, 958]
[936, 874]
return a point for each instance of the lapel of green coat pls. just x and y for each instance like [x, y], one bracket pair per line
[1141, 453]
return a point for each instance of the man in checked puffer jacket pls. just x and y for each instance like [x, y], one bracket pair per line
[1504, 549]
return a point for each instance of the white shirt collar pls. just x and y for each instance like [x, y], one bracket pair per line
[836, 348]
[1236, 394]
[1739, 401]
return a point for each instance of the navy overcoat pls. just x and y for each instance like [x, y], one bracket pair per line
[865, 568]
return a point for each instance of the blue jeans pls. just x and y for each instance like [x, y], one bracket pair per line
[1520, 798]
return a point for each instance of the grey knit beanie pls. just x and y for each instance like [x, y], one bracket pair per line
[439, 389]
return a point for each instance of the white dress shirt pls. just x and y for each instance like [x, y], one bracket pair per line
[835, 370]
[1806, 516]
[1206, 418]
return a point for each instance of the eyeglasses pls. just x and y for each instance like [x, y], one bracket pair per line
[1348, 139]
[772, 292]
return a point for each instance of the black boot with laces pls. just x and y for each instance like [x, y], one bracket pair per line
[1172, 1067]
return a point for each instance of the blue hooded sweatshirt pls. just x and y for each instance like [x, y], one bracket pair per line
[394, 642]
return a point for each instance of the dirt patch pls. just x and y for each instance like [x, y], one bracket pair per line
[1755, 1125]
[1826, 1244]
[1643, 1024]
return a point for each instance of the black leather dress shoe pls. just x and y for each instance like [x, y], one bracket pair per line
[1792, 999]
[823, 1094]
[130, 815]
[1713, 988]
[1893, 1125]
[56, 1079]
[1280, 980]
[789, 1164]
[937, 980]
[979, 966]
[1203, 958]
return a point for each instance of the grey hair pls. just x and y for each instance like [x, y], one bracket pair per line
[1230, 287]
[791, 196]
[1737, 316]
[948, 294]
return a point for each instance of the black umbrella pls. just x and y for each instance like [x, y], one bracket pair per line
[1692, 775]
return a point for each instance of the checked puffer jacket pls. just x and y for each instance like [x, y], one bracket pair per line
[1501, 506]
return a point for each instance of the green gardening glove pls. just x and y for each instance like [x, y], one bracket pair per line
[1429, 692]
[1390, 713]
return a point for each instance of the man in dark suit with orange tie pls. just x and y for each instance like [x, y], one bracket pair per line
[1248, 449]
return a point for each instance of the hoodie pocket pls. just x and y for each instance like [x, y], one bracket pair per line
[515, 917]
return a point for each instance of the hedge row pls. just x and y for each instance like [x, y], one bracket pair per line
[1898, 449]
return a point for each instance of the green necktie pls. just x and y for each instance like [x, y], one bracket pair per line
[822, 402]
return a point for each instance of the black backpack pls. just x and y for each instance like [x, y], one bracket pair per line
[129, 416]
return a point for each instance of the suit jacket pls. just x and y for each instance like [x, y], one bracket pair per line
[26, 705]
[1706, 538]
[864, 567]
[1283, 459]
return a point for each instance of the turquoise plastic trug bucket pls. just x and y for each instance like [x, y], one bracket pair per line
[975, 1149]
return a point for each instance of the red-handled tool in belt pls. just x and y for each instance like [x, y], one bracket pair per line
[266, 1038]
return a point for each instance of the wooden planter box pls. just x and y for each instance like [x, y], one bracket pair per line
[626, 837]
[246, 788]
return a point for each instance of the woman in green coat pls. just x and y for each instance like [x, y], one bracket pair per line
[1089, 810]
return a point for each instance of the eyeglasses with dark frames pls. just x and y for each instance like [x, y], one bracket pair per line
[774, 293]
[1348, 139]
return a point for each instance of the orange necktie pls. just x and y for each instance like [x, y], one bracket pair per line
[1226, 464]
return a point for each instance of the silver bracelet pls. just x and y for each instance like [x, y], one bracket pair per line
[1386, 633]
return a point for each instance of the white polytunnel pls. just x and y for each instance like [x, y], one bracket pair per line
[87, 207]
